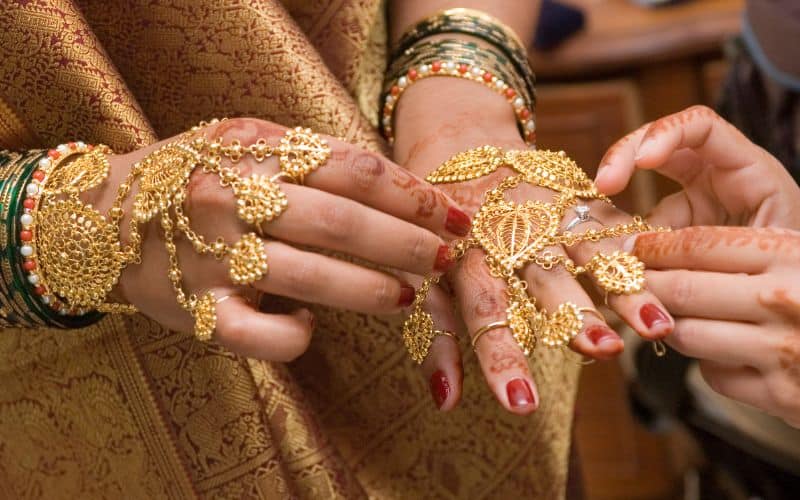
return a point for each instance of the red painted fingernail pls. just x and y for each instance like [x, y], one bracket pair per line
[444, 259]
[652, 315]
[600, 333]
[440, 388]
[406, 296]
[457, 222]
[519, 393]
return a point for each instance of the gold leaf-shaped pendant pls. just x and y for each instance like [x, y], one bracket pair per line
[468, 165]
[248, 262]
[513, 233]
[619, 272]
[205, 317]
[301, 152]
[562, 326]
[418, 334]
[164, 172]
[78, 252]
[524, 320]
[553, 170]
[259, 199]
[84, 172]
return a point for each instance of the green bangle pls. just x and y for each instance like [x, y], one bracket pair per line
[477, 24]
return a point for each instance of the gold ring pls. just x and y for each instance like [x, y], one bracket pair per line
[445, 333]
[592, 310]
[491, 326]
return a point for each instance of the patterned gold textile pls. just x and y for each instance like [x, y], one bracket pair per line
[127, 409]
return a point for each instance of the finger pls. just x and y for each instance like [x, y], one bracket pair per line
[698, 128]
[718, 249]
[556, 286]
[327, 221]
[371, 179]
[442, 367]
[320, 279]
[673, 211]
[360, 175]
[482, 300]
[744, 384]
[726, 342]
[269, 337]
[643, 311]
[699, 294]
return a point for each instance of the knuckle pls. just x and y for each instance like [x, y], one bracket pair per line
[247, 129]
[337, 222]
[682, 292]
[420, 248]
[364, 168]
[385, 294]
[304, 278]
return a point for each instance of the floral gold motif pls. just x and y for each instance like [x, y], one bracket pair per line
[248, 260]
[619, 272]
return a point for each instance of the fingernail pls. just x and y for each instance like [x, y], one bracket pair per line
[519, 393]
[600, 333]
[440, 388]
[406, 296]
[457, 222]
[652, 316]
[444, 259]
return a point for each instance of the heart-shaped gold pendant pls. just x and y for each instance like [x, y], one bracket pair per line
[513, 233]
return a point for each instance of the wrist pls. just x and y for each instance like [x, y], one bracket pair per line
[438, 117]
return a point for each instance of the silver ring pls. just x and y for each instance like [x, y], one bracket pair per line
[581, 215]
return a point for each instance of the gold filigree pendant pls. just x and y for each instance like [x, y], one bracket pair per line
[163, 173]
[80, 252]
[468, 165]
[302, 152]
[619, 272]
[259, 199]
[85, 172]
[524, 320]
[418, 334]
[248, 260]
[511, 233]
[553, 170]
[204, 312]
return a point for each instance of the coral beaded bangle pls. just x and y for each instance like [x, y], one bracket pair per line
[522, 108]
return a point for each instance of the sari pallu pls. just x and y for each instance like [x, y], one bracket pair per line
[129, 409]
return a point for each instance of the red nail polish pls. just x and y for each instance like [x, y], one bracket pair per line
[440, 388]
[519, 393]
[600, 333]
[457, 222]
[444, 259]
[652, 315]
[406, 296]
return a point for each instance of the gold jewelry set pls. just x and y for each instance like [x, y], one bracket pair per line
[514, 235]
[77, 254]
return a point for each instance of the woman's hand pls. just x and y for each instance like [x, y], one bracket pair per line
[726, 179]
[736, 292]
[351, 205]
[469, 116]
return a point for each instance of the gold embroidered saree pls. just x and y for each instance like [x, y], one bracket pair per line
[130, 410]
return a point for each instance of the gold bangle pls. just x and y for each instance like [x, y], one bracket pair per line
[491, 326]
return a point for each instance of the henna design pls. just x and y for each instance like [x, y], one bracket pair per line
[426, 196]
[365, 169]
[505, 357]
[695, 240]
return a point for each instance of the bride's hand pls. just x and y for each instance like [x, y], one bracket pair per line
[726, 179]
[440, 117]
[747, 338]
[352, 204]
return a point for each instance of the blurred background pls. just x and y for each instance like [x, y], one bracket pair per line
[646, 427]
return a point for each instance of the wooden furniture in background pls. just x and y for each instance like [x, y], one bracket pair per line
[628, 66]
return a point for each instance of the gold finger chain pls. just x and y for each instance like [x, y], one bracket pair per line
[513, 235]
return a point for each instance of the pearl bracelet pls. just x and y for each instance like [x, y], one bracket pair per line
[27, 220]
[475, 73]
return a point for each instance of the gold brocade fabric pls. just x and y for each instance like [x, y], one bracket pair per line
[127, 409]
